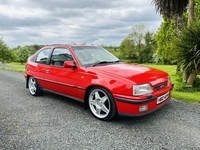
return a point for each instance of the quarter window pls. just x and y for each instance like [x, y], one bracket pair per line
[43, 56]
[59, 56]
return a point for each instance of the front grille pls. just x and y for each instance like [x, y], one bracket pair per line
[161, 86]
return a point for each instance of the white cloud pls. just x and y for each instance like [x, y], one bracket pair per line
[64, 21]
[22, 13]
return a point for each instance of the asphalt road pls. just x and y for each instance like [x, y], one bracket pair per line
[55, 122]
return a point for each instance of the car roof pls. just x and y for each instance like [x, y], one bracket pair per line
[67, 45]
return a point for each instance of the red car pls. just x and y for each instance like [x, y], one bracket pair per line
[93, 76]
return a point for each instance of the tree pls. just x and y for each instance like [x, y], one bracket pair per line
[172, 9]
[5, 54]
[149, 48]
[138, 46]
[32, 48]
[197, 11]
[188, 51]
[176, 7]
[190, 12]
[137, 34]
[127, 49]
[164, 38]
[23, 54]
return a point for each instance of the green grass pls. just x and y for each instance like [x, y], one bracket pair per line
[191, 97]
[14, 66]
[111, 50]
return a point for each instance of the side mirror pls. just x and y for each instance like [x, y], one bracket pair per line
[69, 64]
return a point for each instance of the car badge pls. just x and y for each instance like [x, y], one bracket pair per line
[161, 80]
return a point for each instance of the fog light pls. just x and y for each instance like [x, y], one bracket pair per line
[143, 108]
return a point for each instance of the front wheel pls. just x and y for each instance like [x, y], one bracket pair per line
[34, 87]
[101, 103]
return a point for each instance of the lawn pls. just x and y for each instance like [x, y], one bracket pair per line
[111, 50]
[13, 66]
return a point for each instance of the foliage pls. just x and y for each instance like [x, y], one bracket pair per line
[196, 83]
[170, 8]
[32, 48]
[137, 33]
[146, 55]
[138, 46]
[23, 54]
[197, 11]
[127, 49]
[190, 68]
[164, 38]
[168, 31]
[6, 55]
[188, 48]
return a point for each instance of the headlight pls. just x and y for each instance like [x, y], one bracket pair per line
[142, 89]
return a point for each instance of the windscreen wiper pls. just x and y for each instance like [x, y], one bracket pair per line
[116, 61]
[105, 62]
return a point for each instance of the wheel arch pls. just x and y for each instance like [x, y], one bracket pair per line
[86, 105]
[27, 78]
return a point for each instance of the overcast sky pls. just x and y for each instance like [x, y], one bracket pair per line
[108, 22]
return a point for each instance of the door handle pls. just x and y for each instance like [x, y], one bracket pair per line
[47, 71]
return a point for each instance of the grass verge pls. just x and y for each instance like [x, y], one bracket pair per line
[13, 66]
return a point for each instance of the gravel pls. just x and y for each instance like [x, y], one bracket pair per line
[55, 122]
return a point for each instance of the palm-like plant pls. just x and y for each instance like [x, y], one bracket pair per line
[170, 8]
[187, 51]
[174, 9]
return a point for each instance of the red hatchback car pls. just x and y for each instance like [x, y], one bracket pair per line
[93, 76]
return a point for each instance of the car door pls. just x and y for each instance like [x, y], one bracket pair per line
[60, 79]
[39, 64]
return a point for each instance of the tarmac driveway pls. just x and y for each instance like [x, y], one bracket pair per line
[55, 122]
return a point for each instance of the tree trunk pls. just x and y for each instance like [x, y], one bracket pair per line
[191, 78]
[185, 76]
[193, 75]
[179, 19]
[190, 12]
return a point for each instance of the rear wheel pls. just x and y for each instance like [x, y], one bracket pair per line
[101, 103]
[34, 87]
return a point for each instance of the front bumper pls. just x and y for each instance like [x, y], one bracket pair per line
[134, 107]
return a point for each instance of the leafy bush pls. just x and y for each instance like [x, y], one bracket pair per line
[188, 48]
[196, 83]
[183, 86]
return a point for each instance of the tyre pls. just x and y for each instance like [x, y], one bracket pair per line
[34, 87]
[101, 103]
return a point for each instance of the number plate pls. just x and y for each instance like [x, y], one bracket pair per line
[162, 98]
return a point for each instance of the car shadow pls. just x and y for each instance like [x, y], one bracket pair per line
[67, 102]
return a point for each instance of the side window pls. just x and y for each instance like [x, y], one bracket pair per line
[43, 56]
[59, 56]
